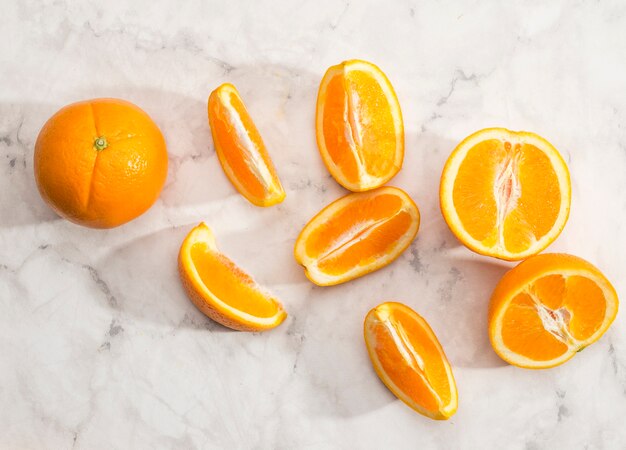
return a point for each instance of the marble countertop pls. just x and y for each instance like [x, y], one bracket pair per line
[100, 348]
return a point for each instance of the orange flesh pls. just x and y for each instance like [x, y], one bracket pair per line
[341, 244]
[507, 195]
[358, 126]
[551, 315]
[410, 358]
[239, 144]
[381, 240]
[229, 283]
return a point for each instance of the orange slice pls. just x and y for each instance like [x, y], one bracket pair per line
[408, 358]
[359, 126]
[220, 289]
[548, 308]
[505, 193]
[357, 234]
[241, 150]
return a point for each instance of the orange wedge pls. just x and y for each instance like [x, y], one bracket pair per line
[357, 234]
[548, 308]
[241, 150]
[408, 358]
[220, 289]
[505, 194]
[359, 126]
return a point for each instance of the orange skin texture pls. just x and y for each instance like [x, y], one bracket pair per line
[100, 188]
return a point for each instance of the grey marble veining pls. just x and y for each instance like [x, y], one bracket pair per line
[101, 348]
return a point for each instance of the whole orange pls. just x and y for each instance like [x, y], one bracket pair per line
[100, 163]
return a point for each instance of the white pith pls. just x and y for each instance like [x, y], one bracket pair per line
[507, 191]
[398, 334]
[355, 234]
[253, 158]
[555, 321]
[353, 131]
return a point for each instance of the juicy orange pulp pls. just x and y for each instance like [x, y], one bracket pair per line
[548, 308]
[357, 234]
[227, 281]
[506, 216]
[409, 359]
[241, 150]
[220, 289]
[573, 310]
[359, 126]
[505, 194]
[339, 247]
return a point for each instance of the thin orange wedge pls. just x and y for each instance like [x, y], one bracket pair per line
[548, 308]
[357, 234]
[408, 358]
[241, 150]
[359, 126]
[505, 194]
[220, 289]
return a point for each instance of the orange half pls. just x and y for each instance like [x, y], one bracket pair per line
[241, 150]
[221, 290]
[357, 234]
[409, 359]
[548, 308]
[358, 124]
[505, 194]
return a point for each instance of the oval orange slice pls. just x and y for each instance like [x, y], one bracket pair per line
[505, 194]
[357, 234]
[241, 150]
[220, 289]
[408, 358]
[548, 308]
[358, 124]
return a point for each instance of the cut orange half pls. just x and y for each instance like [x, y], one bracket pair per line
[409, 359]
[241, 150]
[221, 290]
[359, 126]
[548, 308]
[357, 234]
[505, 194]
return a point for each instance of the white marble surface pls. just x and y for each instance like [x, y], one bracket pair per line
[100, 348]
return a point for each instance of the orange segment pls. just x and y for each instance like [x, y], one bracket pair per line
[220, 289]
[523, 331]
[410, 361]
[505, 194]
[357, 234]
[241, 150]
[359, 126]
[549, 307]
[585, 301]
